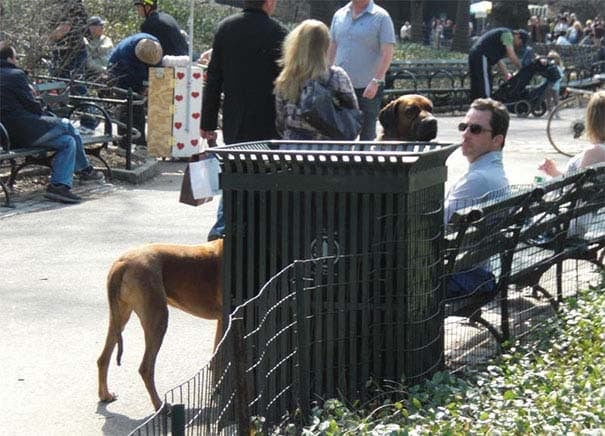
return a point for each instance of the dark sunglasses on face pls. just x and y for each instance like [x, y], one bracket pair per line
[475, 129]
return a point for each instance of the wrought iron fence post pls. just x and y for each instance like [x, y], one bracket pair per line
[240, 361]
[177, 413]
[301, 378]
[129, 131]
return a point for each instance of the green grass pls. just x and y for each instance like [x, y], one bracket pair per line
[413, 51]
[553, 384]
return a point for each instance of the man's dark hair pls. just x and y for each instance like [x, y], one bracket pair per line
[500, 116]
[253, 4]
[6, 51]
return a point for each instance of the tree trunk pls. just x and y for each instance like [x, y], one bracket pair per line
[510, 13]
[460, 40]
[416, 13]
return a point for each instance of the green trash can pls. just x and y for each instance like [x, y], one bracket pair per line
[371, 215]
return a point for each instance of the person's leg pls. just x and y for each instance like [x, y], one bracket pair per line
[61, 140]
[218, 229]
[370, 109]
[81, 161]
[478, 77]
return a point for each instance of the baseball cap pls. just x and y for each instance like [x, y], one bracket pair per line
[95, 21]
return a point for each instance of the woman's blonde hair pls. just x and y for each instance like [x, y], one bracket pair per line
[304, 57]
[595, 118]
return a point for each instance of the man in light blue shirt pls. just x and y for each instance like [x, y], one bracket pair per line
[362, 38]
[483, 134]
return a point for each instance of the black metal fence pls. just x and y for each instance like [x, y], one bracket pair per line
[273, 370]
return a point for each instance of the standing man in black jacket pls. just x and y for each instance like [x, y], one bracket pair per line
[163, 26]
[243, 66]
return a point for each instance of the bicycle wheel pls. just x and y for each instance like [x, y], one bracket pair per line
[566, 128]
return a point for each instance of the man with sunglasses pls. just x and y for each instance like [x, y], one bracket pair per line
[483, 134]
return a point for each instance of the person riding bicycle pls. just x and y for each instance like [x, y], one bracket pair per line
[163, 26]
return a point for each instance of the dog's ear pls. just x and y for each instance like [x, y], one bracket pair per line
[388, 115]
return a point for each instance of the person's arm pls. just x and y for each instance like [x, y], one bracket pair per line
[60, 31]
[332, 53]
[510, 52]
[25, 95]
[386, 56]
[212, 94]
[550, 167]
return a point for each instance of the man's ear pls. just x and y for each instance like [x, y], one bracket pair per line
[498, 142]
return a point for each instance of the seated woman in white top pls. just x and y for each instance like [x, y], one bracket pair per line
[595, 131]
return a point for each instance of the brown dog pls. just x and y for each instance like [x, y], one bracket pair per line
[147, 279]
[408, 118]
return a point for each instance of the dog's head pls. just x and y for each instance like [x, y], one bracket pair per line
[408, 118]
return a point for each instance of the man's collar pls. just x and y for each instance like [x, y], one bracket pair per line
[486, 158]
[370, 8]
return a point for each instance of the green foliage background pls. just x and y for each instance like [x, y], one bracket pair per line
[25, 23]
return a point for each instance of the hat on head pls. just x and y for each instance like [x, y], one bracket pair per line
[148, 51]
[523, 35]
[95, 21]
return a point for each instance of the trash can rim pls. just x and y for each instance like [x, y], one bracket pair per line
[240, 148]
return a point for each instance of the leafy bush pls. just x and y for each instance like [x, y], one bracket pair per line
[413, 51]
[552, 384]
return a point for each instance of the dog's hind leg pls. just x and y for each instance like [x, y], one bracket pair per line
[154, 320]
[119, 313]
[118, 317]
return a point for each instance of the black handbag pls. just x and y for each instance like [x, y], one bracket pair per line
[326, 111]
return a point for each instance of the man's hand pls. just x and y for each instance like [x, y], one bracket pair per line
[508, 76]
[371, 90]
[208, 135]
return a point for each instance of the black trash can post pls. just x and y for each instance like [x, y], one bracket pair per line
[372, 307]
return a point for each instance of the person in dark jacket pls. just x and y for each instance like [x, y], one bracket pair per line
[129, 64]
[163, 26]
[243, 66]
[68, 21]
[489, 50]
[23, 118]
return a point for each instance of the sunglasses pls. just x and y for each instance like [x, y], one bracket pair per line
[475, 129]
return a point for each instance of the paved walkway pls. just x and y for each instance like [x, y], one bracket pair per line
[54, 308]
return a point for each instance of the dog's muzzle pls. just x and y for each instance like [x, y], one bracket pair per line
[426, 129]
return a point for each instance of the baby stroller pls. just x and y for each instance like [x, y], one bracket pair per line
[521, 99]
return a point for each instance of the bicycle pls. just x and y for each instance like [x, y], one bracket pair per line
[566, 126]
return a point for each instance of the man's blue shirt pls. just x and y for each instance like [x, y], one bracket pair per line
[358, 41]
[485, 176]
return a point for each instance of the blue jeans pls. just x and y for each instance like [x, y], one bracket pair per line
[370, 109]
[219, 227]
[70, 155]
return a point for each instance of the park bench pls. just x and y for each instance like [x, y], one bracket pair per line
[481, 235]
[524, 234]
[82, 111]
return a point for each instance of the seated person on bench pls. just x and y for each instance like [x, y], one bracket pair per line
[595, 132]
[23, 118]
[483, 133]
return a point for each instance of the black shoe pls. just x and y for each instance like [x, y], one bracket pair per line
[61, 193]
[214, 237]
[88, 174]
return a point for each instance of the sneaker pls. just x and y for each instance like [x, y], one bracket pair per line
[61, 193]
[86, 131]
[88, 174]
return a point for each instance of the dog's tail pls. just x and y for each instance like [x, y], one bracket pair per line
[114, 284]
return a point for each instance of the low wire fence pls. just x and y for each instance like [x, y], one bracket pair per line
[273, 380]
